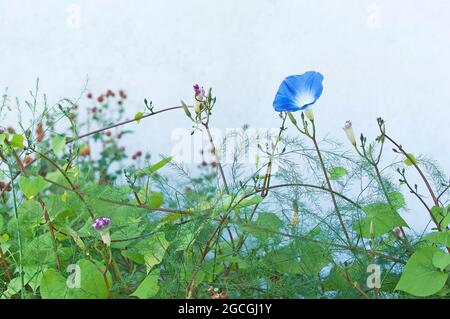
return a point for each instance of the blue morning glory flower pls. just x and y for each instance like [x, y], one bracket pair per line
[297, 92]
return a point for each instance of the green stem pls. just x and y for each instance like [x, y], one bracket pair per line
[327, 179]
[19, 235]
[266, 182]
[385, 192]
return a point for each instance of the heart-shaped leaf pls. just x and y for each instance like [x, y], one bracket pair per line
[31, 186]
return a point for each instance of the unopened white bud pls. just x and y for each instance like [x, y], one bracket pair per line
[348, 129]
[309, 114]
[106, 237]
[197, 106]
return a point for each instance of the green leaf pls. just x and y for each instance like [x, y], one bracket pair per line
[250, 201]
[337, 172]
[410, 161]
[420, 277]
[53, 285]
[149, 287]
[77, 240]
[153, 168]
[383, 217]
[138, 116]
[336, 280]
[397, 200]
[40, 251]
[441, 214]
[155, 200]
[92, 284]
[31, 186]
[267, 225]
[58, 143]
[313, 257]
[3, 137]
[153, 249]
[17, 141]
[186, 110]
[270, 221]
[283, 260]
[299, 258]
[442, 238]
[4, 237]
[441, 260]
[1, 222]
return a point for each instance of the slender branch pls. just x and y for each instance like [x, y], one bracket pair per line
[347, 277]
[443, 192]
[385, 192]
[266, 182]
[412, 160]
[316, 187]
[191, 285]
[214, 151]
[74, 188]
[120, 203]
[70, 140]
[325, 173]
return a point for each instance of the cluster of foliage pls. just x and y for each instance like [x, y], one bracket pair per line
[312, 229]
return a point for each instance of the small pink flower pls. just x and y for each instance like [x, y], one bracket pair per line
[199, 91]
[223, 295]
[215, 295]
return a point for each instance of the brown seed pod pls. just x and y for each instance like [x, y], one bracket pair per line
[85, 151]
[27, 160]
[39, 132]
[101, 98]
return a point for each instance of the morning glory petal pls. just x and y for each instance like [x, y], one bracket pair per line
[297, 92]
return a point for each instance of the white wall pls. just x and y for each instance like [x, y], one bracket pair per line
[379, 58]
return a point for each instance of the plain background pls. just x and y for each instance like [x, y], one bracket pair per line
[379, 58]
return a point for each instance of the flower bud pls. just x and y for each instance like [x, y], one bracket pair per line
[197, 106]
[102, 225]
[309, 114]
[348, 129]
[292, 118]
[106, 238]
[199, 94]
